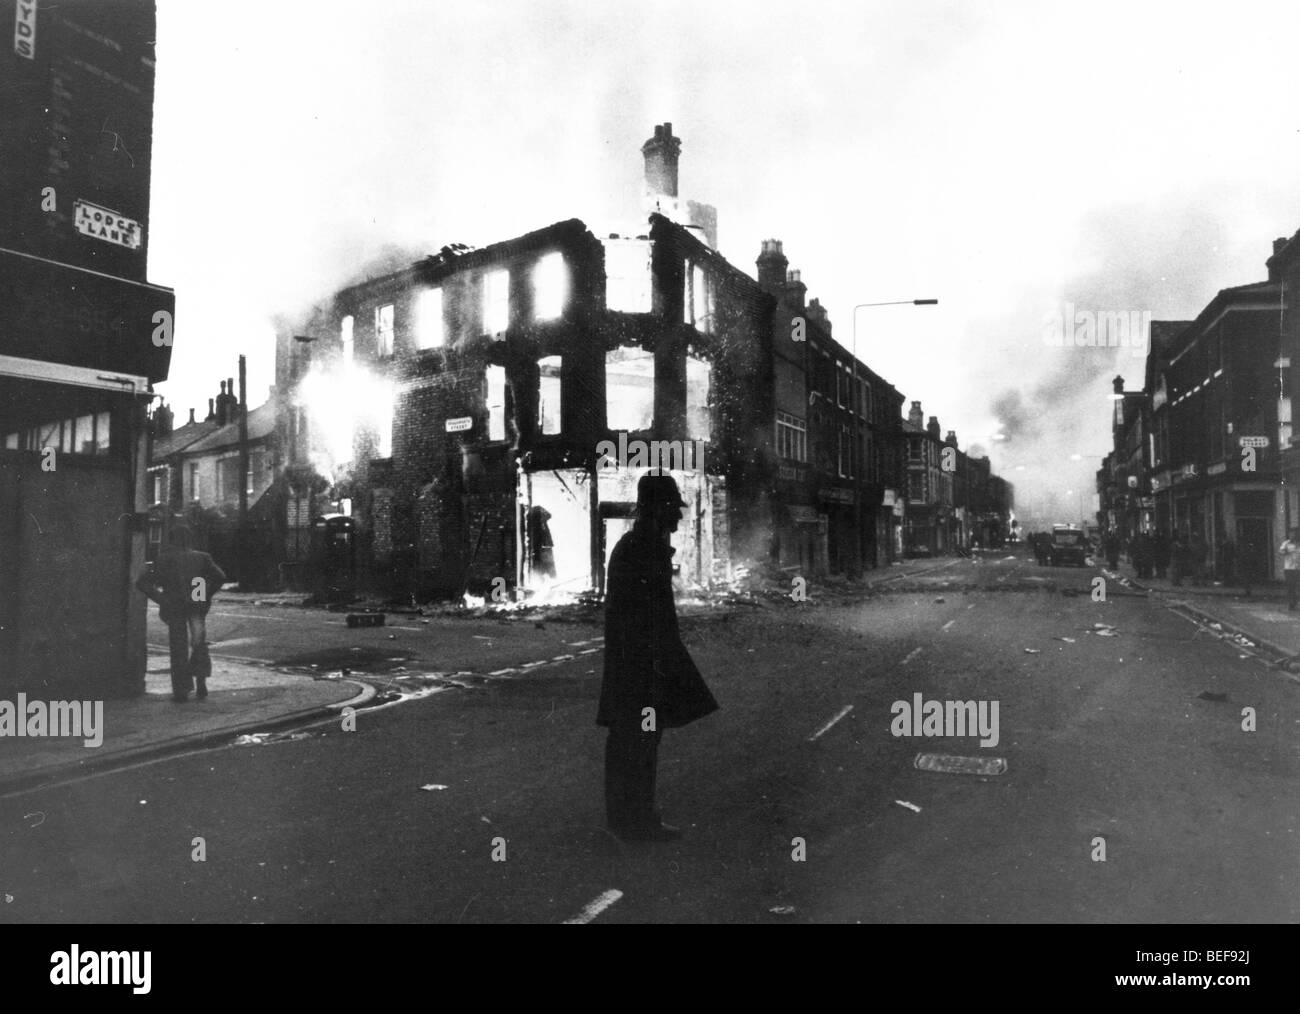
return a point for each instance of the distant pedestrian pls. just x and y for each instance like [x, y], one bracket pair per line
[183, 581]
[1112, 549]
[539, 540]
[650, 681]
[1142, 555]
[1290, 550]
[1178, 557]
[1160, 554]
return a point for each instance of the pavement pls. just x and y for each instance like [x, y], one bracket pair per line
[242, 697]
[1262, 616]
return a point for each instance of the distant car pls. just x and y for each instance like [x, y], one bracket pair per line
[1068, 547]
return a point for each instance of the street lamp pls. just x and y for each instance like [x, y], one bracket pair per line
[857, 449]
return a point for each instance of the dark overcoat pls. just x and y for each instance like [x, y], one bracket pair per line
[171, 583]
[646, 664]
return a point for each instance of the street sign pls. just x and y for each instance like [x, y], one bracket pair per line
[460, 425]
[1254, 441]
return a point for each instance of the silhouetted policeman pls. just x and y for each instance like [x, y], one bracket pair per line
[650, 682]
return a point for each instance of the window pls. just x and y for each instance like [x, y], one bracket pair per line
[550, 287]
[496, 402]
[228, 478]
[429, 332]
[841, 384]
[158, 485]
[629, 389]
[85, 434]
[791, 437]
[698, 375]
[345, 336]
[496, 302]
[548, 394]
[846, 453]
[699, 294]
[384, 330]
[194, 480]
[627, 276]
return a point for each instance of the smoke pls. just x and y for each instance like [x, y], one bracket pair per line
[1053, 424]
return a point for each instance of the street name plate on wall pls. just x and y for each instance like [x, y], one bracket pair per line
[1254, 441]
[460, 425]
[103, 224]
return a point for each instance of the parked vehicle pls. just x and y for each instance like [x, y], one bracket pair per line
[1068, 548]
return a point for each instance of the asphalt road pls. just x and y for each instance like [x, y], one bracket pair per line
[1104, 737]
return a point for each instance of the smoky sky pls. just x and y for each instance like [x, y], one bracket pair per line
[1004, 159]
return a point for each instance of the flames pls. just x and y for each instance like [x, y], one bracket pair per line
[343, 402]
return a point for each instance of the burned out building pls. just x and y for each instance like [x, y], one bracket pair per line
[478, 419]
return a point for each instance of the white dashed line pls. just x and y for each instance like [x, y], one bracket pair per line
[911, 655]
[594, 909]
[503, 672]
[948, 624]
[838, 715]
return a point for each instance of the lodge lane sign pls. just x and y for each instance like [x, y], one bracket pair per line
[58, 313]
[102, 224]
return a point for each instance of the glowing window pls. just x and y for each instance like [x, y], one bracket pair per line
[496, 402]
[345, 336]
[496, 302]
[548, 394]
[627, 276]
[384, 330]
[550, 287]
[629, 389]
[428, 327]
[703, 318]
[84, 441]
[698, 376]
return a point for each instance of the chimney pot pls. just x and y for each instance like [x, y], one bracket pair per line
[192, 422]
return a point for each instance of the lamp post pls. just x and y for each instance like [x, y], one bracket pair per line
[855, 445]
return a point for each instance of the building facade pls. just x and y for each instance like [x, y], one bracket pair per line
[83, 336]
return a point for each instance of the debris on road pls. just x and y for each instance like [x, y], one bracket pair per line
[1206, 695]
[432, 788]
[1067, 640]
[782, 910]
[939, 599]
[1033, 651]
[949, 764]
[911, 806]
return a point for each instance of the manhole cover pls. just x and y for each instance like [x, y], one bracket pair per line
[948, 764]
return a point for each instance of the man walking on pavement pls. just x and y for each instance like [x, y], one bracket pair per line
[650, 681]
[1290, 551]
[182, 582]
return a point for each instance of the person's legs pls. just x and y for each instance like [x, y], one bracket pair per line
[178, 643]
[1292, 587]
[200, 662]
[631, 758]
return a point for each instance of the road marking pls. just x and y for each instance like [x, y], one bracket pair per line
[948, 624]
[503, 672]
[588, 651]
[594, 908]
[838, 715]
[911, 655]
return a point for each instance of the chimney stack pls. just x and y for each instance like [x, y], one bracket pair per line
[661, 154]
[794, 290]
[818, 313]
[1118, 384]
[951, 438]
[915, 416]
[771, 266]
[192, 421]
[212, 412]
[933, 428]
